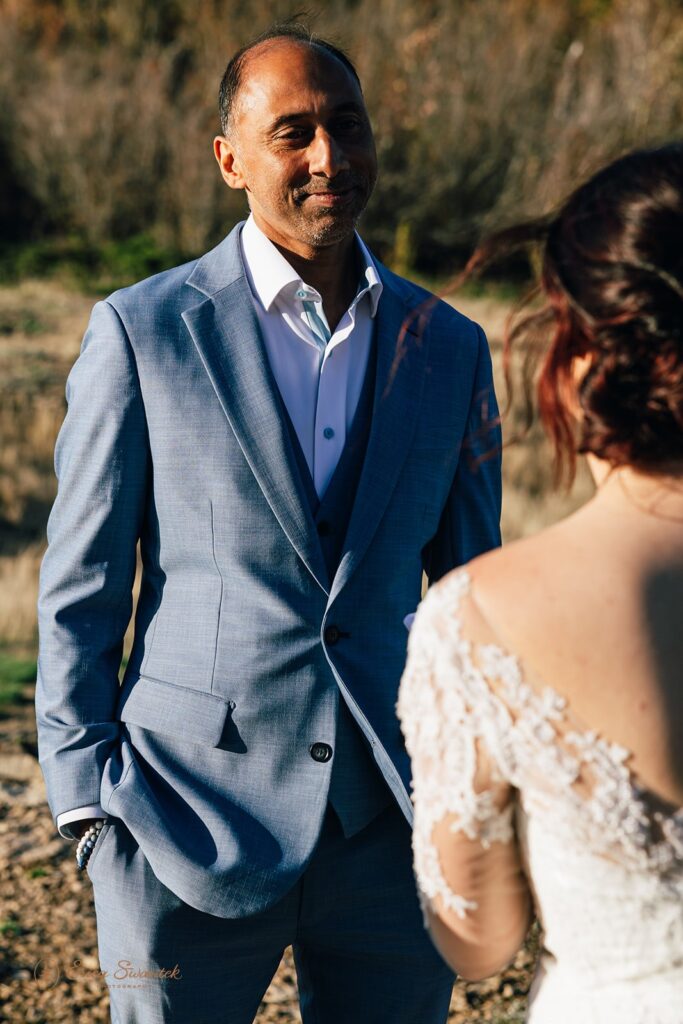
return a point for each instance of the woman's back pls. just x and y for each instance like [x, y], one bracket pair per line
[554, 662]
[594, 608]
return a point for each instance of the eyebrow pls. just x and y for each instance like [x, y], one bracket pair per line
[283, 119]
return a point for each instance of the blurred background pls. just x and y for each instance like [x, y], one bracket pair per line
[485, 112]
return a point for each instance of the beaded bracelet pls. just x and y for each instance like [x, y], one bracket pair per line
[86, 843]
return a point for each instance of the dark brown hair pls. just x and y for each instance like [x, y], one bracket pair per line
[611, 275]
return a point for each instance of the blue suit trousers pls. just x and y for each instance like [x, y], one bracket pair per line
[353, 920]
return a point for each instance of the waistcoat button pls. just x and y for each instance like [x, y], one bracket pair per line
[332, 635]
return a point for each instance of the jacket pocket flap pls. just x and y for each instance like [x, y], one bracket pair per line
[194, 715]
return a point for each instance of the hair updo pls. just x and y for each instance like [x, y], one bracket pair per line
[612, 277]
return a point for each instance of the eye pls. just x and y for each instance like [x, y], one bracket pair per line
[293, 134]
[349, 124]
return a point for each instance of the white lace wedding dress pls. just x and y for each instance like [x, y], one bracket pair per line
[604, 858]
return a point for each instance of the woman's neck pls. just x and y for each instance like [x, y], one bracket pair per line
[657, 497]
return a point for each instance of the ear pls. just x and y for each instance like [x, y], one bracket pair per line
[578, 368]
[228, 162]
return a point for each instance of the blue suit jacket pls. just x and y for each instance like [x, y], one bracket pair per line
[173, 438]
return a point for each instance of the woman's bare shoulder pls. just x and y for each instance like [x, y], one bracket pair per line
[511, 568]
[518, 583]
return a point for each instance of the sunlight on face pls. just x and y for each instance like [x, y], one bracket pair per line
[303, 145]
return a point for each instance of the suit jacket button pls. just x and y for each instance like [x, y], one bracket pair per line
[321, 752]
[331, 635]
[324, 528]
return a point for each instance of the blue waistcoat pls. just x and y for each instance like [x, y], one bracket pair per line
[357, 788]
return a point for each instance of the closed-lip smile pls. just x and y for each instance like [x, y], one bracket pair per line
[331, 198]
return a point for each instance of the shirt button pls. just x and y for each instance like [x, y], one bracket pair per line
[331, 635]
[301, 294]
[321, 752]
[328, 433]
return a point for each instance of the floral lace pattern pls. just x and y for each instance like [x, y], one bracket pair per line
[593, 838]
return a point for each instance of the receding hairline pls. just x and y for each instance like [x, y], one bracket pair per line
[253, 52]
[239, 66]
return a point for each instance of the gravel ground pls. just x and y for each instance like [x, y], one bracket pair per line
[48, 946]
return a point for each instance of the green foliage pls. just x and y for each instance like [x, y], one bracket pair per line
[95, 269]
[15, 672]
[133, 258]
[65, 256]
[10, 927]
[402, 255]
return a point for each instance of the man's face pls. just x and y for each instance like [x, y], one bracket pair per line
[301, 145]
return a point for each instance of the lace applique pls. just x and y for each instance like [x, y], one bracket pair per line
[445, 755]
[457, 698]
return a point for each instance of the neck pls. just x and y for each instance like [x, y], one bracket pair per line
[332, 269]
[658, 498]
[327, 269]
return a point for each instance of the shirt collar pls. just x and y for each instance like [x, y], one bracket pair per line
[270, 274]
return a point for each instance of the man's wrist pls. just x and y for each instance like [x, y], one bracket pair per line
[77, 816]
[80, 827]
[86, 843]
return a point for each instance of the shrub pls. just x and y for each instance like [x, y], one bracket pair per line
[485, 110]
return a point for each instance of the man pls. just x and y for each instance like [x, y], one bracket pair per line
[292, 434]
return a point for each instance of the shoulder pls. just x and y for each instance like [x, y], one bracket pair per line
[442, 618]
[162, 289]
[138, 317]
[450, 611]
[188, 284]
[479, 600]
[512, 587]
[440, 316]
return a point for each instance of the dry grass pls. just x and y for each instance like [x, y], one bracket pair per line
[40, 331]
[18, 595]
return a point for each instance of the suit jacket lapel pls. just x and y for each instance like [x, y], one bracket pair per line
[402, 342]
[226, 333]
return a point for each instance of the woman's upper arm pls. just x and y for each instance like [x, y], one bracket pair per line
[472, 888]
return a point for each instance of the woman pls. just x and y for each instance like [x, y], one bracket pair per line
[542, 702]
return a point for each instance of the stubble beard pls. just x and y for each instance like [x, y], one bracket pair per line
[326, 228]
[332, 230]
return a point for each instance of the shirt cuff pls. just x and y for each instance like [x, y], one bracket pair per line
[408, 621]
[77, 814]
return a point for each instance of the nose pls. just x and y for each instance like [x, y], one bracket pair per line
[326, 156]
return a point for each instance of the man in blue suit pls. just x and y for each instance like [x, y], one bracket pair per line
[292, 434]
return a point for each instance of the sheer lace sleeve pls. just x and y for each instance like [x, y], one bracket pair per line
[455, 732]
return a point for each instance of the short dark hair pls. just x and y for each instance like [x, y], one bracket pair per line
[294, 30]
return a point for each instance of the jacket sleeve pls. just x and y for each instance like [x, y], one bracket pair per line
[470, 523]
[86, 579]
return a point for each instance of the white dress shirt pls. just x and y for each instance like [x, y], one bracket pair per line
[319, 372]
